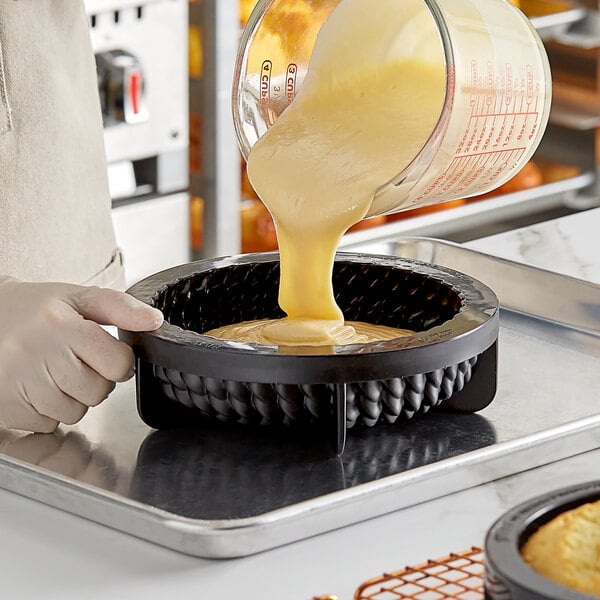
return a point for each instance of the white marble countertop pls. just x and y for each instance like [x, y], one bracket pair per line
[47, 553]
[569, 245]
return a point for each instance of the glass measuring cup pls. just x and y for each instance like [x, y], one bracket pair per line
[496, 107]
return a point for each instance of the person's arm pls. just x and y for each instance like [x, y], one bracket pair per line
[56, 360]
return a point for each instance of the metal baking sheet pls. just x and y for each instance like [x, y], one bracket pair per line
[225, 492]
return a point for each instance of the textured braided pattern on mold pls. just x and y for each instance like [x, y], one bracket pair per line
[371, 293]
[267, 403]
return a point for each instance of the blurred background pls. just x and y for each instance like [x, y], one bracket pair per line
[178, 181]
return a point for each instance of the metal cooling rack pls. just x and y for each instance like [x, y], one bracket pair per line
[457, 576]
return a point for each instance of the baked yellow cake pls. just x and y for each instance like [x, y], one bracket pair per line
[567, 549]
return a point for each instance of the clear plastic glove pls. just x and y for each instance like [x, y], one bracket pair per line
[56, 360]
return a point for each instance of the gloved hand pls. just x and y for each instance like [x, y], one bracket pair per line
[55, 359]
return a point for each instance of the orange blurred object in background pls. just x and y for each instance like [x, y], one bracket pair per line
[552, 172]
[197, 222]
[195, 151]
[195, 52]
[367, 223]
[528, 177]
[246, 7]
[247, 189]
[258, 229]
[423, 210]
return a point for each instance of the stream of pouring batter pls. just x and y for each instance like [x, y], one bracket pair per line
[372, 96]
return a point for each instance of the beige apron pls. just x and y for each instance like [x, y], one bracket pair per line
[55, 222]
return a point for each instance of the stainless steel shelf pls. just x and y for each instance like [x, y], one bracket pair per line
[575, 117]
[584, 33]
[551, 25]
[197, 100]
[476, 214]
[219, 185]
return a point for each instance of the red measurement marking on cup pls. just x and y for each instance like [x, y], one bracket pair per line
[474, 81]
[501, 114]
[509, 85]
[529, 75]
[265, 81]
[459, 171]
[468, 173]
[290, 82]
[490, 85]
[490, 152]
[266, 91]
[503, 119]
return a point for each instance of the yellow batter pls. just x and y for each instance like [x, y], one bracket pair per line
[372, 96]
[351, 332]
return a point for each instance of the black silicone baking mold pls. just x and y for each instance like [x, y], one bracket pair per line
[183, 375]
